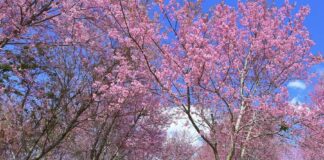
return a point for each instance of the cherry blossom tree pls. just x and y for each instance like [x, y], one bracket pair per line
[312, 124]
[232, 65]
[91, 79]
[62, 90]
[60, 100]
[180, 146]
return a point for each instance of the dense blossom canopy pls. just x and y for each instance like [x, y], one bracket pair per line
[97, 79]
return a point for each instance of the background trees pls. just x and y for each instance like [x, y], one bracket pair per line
[70, 88]
[93, 79]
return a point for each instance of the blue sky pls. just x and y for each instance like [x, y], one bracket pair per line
[315, 23]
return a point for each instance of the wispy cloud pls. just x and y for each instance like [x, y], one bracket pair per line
[297, 84]
[296, 101]
[181, 124]
[298, 106]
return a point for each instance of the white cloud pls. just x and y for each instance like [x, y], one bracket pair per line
[295, 101]
[181, 124]
[297, 84]
[298, 106]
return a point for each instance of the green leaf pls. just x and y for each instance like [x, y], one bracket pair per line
[5, 67]
[284, 127]
[50, 95]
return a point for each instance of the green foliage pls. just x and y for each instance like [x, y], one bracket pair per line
[28, 66]
[284, 127]
[5, 67]
[50, 95]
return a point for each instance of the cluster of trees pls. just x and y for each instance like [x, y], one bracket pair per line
[83, 79]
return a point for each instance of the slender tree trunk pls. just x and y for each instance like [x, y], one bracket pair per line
[248, 136]
[242, 111]
[216, 155]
